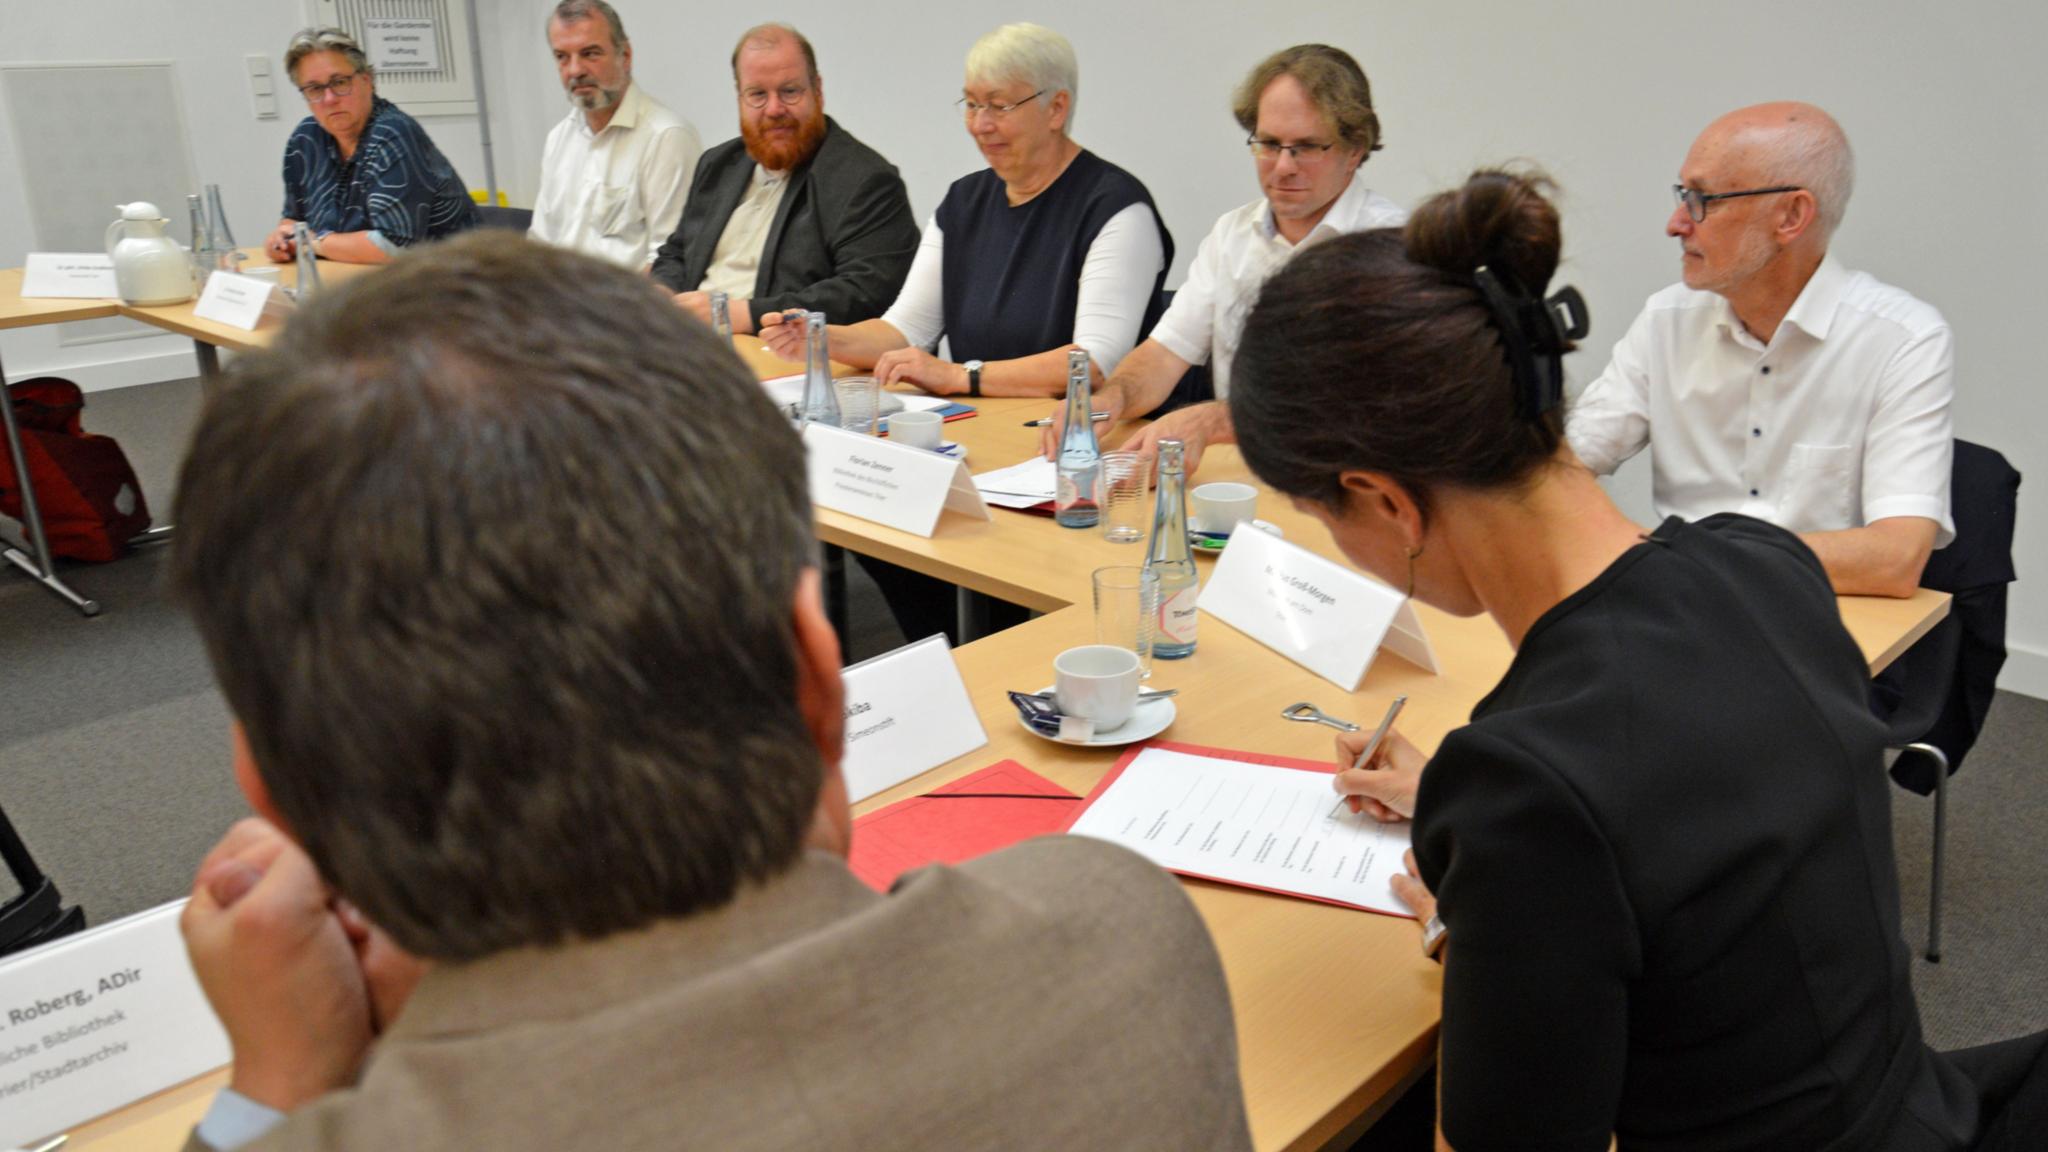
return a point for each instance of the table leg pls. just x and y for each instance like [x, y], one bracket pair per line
[40, 566]
[972, 609]
[836, 609]
[209, 364]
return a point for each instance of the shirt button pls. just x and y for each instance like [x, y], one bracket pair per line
[1752, 491]
[1756, 431]
[1766, 369]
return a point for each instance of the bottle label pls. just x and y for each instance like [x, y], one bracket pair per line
[1177, 616]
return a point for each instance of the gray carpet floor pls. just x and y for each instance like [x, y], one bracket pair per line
[114, 761]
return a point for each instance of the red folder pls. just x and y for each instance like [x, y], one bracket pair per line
[972, 816]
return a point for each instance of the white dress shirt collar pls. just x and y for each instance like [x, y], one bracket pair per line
[1346, 212]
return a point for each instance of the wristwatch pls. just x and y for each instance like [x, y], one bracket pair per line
[973, 377]
[1434, 935]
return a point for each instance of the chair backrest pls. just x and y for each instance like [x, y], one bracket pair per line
[1983, 499]
[514, 219]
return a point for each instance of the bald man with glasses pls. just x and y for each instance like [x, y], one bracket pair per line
[1774, 382]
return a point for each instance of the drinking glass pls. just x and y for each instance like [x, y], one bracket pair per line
[1127, 610]
[860, 399]
[1125, 484]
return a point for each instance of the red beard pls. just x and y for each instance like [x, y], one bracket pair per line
[784, 153]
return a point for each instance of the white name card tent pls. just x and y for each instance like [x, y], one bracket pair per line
[69, 276]
[99, 1020]
[234, 300]
[891, 484]
[1317, 613]
[907, 712]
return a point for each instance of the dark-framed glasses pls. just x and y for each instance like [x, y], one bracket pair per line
[1304, 152]
[339, 86]
[970, 108]
[789, 94]
[1696, 201]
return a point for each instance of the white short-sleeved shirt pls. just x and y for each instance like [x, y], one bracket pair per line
[616, 194]
[1841, 420]
[1206, 318]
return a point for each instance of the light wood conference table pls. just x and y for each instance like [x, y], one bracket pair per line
[1336, 1009]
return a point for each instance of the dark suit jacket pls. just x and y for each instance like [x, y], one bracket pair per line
[840, 244]
[1062, 993]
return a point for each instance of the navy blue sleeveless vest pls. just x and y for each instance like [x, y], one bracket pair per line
[1011, 277]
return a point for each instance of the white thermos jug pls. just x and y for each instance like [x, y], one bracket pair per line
[149, 267]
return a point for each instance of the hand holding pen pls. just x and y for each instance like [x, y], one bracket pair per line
[1384, 771]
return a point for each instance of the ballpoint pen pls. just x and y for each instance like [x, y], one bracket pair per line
[1048, 420]
[1379, 733]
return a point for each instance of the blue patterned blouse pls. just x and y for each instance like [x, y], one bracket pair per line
[398, 187]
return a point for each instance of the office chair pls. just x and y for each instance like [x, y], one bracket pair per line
[38, 915]
[511, 219]
[1935, 697]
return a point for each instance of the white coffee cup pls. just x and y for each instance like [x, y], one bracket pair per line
[1097, 682]
[917, 429]
[1218, 508]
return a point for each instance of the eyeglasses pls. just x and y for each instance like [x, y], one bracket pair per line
[339, 86]
[969, 109]
[789, 94]
[1696, 201]
[1302, 153]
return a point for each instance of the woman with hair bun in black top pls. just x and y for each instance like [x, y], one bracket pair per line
[1660, 853]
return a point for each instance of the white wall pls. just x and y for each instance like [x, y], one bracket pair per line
[1941, 103]
[230, 147]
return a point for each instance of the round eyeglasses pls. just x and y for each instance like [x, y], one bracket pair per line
[1696, 201]
[789, 94]
[339, 86]
[969, 108]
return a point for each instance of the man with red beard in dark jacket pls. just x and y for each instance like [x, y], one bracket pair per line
[796, 213]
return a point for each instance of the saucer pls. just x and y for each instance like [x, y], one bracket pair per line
[1148, 719]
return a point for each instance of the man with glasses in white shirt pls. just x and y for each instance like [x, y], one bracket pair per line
[796, 213]
[617, 169]
[1308, 112]
[1774, 382]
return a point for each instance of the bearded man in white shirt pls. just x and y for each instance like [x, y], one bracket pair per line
[1774, 382]
[1308, 114]
[616, 170]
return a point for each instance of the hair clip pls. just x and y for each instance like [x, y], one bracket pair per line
[1537, 334]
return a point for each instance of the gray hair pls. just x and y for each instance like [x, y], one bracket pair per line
[1812, 152]
[571, 11]
[307, 41]
[1028, 54]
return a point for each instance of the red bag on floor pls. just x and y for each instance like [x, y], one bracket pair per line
[91, 502]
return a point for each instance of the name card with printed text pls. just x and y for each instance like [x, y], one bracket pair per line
[69, 276]
[1317, 613]
[234, 300]
[907, 711]
[99, 1020]
[887, 483]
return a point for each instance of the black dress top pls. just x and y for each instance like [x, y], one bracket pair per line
[1010, 278]
[1663, 851]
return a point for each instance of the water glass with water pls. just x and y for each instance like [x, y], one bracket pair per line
[1126, 483]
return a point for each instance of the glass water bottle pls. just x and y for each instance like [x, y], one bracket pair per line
[308, 264]
[1172, 558]
[1080, 462]
[821, 400]
[721, 315]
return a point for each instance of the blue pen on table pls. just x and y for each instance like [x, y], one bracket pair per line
[1380, 733]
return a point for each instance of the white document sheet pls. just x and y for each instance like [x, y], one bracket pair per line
[1280, 829]
[1025, 485]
